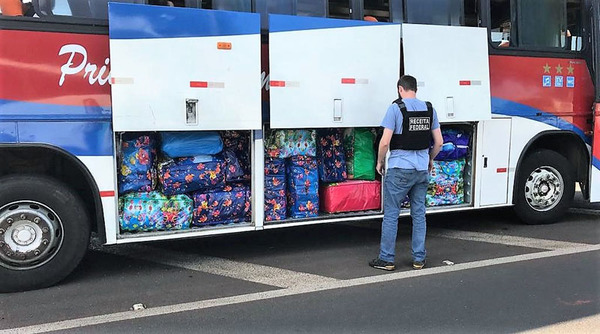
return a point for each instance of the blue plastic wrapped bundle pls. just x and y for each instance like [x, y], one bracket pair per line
[238, 142]
[456, 144]
[288, 143]
[330, 156]
[137, 172]
[188, 144]
[303, 187]
[153, 211]
[233, 171]
[184, 175]
[446, 184]
[275, 189]
[230, 204]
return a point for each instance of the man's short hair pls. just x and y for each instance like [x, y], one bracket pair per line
[408, 82]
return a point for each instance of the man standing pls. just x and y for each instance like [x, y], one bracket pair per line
[409, 126]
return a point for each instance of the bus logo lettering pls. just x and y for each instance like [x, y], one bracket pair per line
[90, 70]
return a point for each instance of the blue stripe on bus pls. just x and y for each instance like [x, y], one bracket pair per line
[279, 23]
[510, 108]
[132, 21]
[596, 162]
[11, 110]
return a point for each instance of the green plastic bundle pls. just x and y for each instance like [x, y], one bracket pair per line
[360, 153]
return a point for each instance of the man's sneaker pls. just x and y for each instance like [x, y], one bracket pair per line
[418, 264]
[383, 265]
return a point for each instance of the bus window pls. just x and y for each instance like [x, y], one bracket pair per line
[440, 12]
[235, 5]
[538, 24]
[378, 9]
[340, 9]
[316, 8]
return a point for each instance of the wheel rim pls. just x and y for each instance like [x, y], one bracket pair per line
[31, 234]
[544, 188]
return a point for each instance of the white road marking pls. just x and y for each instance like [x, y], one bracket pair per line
[503, 239]
[281, 278]
[589, 324]
[295, 290]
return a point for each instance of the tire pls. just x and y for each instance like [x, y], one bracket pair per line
[44, 232]
[545, 187]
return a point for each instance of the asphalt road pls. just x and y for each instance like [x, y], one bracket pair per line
[505, 277]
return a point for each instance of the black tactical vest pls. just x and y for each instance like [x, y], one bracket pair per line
[416, 129]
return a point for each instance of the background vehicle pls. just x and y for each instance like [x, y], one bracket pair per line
[520, 77]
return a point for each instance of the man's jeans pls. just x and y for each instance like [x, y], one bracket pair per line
[398, 183]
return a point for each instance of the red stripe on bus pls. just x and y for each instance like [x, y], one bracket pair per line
[465, 82]
[277, 83]
[501, 170]
[107, 193]
[198, 84]
[348, 80]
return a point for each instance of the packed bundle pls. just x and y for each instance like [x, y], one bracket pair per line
[137, 172]
[275, 189]
[153, 211]
[183, 175]
[237, 143]
[230, 204]
[352, 195]
[456, 144]
[446, 184]
[330, 156]
[303, 187]
[189, 144]
[288, 143]
[360, 153]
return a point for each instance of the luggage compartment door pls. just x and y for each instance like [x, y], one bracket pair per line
[451, 65]
[493, 161]
[184, 69]
[331, 73]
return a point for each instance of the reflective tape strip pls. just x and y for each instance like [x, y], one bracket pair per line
[501, 170]
[121, 81]
[206, 84]
[469, 82]
[279, 83]
[352, 81]
[107, 193]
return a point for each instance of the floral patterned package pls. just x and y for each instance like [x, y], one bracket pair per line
[184, 175]
[234, 170]
[330, 156]
[446, 183]
[137, 172]
[230, 204]
[303, 187]
[288, 143]
[275, 189]
[238, 142]
[153, 211]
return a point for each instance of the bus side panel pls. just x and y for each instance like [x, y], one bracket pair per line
[595, 167]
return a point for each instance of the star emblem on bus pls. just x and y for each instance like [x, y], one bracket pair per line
[570, 69]
[559, 69]
[546, 68]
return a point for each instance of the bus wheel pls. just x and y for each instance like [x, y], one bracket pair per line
[544, 188]
[44, 232]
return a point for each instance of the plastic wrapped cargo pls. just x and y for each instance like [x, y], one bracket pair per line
[456, 144]
[191, 143]
[303, 187]
[446, 183]
[153, 211]
[230, 204]
[330, 156]
[234, 170]
[184, 175]
[137, 172]
[288, 143]
[360, 153]
[238, 142]
[275, 189]
[351, 195]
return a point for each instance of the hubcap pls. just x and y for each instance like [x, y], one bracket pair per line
[544, 188]
[30, 235]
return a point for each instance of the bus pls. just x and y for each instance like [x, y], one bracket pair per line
[104, 106]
